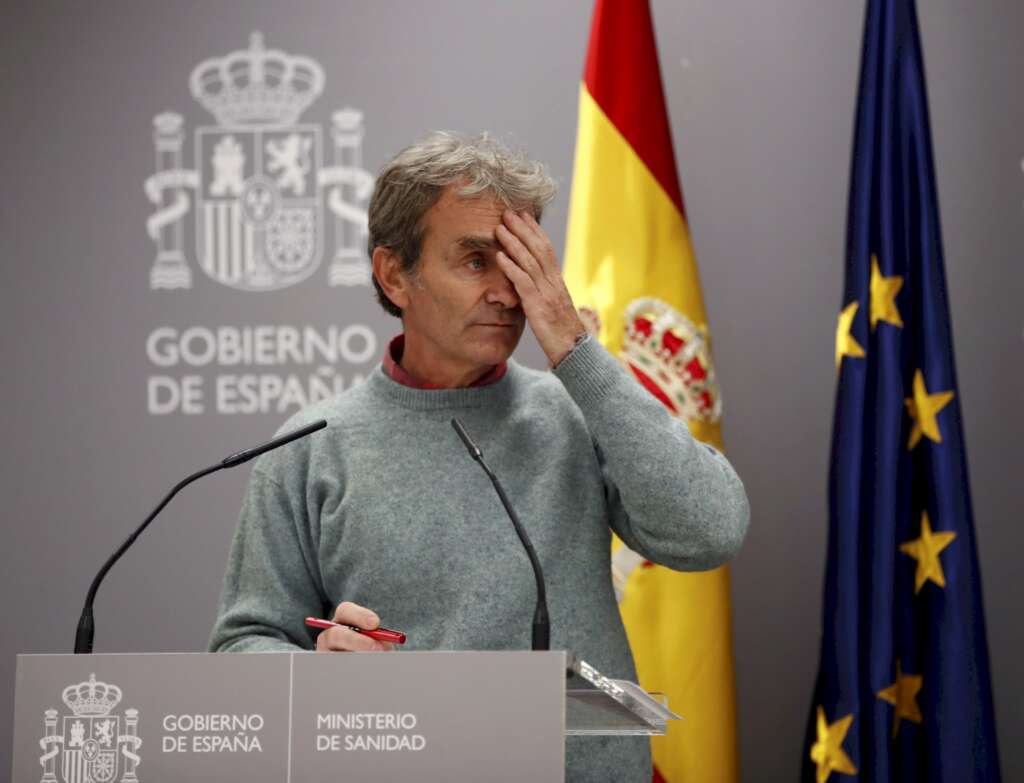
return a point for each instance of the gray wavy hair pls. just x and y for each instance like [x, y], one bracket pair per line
[412, 181]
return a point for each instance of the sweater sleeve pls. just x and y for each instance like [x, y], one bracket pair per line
[672, 499]
[270, 584]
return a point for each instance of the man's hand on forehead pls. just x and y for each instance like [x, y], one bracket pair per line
[528, 259]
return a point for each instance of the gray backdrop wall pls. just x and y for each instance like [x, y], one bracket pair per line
[761, 97]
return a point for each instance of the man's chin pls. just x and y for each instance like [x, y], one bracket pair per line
[497, 344]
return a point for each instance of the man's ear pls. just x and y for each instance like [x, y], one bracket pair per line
[387, 269]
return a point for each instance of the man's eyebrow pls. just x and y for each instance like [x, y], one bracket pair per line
[477, 243]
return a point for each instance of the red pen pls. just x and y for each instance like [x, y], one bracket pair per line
[379, 634]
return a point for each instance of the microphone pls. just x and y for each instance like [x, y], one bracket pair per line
[85, 631]
[541, 625]
[244, 456]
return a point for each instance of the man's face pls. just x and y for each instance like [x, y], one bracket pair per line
[462, 311]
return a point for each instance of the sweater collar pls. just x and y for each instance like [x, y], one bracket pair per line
[497, 393]
[394, 370]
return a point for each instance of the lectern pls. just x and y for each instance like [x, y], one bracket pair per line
[298, 717]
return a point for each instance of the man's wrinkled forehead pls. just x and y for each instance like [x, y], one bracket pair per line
[459, 223]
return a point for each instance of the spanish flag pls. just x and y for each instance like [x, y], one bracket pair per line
[632, 272]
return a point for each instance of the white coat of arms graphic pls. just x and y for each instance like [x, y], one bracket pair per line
[259, 181]
[92, 743]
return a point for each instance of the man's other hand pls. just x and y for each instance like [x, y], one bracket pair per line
[347, 640]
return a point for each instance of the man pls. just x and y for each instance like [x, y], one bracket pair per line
[382, 517]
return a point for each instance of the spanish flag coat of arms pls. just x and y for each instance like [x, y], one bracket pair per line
[632, 272]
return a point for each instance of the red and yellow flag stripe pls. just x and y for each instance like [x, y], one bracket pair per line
[627, 240]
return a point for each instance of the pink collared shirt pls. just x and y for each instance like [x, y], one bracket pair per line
[394, 370]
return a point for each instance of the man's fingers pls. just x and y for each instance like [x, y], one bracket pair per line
[522, 223]
[346, 640]
[519, 252]
[528, 218]
[529, 232]
[343, 639]
[523, 283]
[349, 613]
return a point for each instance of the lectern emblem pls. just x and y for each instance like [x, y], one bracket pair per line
[93, 743]
[259, 181]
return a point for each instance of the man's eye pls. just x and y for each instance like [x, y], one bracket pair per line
[476, 263]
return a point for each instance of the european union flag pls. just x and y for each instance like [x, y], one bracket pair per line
[903, 690]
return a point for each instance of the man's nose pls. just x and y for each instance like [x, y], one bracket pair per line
[501, 291]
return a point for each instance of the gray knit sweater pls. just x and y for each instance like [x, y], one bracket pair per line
[385, 508]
